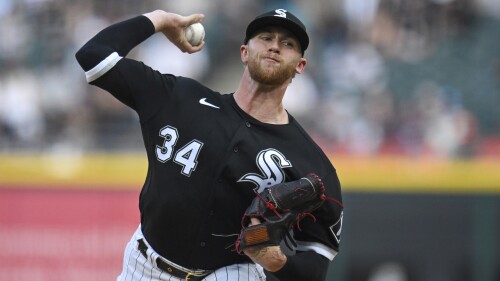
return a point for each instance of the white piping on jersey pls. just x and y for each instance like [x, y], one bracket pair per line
[319, 248]
[103, 67]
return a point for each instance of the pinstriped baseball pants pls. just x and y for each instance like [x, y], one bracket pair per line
[137, 268]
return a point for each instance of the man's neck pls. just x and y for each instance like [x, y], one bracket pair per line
[263, 103]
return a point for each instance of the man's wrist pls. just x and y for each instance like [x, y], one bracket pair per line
[271, 258]
[157, 17]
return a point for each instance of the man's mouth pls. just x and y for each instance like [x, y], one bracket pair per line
[272, 59]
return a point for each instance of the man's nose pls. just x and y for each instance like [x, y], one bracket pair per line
[274, 45]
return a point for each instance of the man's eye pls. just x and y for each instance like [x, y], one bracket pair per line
[287, 43]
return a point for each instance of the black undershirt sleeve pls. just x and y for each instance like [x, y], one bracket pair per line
[121, 37]
[308, 266]
[132, 82]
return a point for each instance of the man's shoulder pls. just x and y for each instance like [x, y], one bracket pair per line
[189, 82]
[193, 85]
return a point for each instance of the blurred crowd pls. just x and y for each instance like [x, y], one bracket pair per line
[413, 78]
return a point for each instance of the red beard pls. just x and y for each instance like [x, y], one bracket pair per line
[269, 73]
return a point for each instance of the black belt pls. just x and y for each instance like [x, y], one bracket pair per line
[171, 269]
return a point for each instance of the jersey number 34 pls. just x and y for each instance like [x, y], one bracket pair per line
[186, 156]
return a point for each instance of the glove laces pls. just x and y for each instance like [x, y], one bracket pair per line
[269, 205]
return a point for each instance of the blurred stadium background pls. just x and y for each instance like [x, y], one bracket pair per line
[403, 95]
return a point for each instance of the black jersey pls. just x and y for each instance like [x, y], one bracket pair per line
[207, 158]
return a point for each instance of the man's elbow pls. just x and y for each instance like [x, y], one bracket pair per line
[91, 55]
[82, 57]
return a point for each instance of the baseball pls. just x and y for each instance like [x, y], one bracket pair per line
[195, 34]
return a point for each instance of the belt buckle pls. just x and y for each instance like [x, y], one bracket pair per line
[190, 274]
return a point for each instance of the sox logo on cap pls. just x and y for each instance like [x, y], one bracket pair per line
[280, 13]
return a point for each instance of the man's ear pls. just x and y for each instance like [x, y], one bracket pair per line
[244, 53]
[301, 66]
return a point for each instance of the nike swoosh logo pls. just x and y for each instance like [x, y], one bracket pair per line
[204, 102]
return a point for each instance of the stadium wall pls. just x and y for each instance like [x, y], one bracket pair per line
[68, 217]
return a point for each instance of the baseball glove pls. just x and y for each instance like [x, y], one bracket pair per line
[279, 208]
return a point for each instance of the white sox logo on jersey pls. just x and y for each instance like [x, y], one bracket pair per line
[271, 163]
